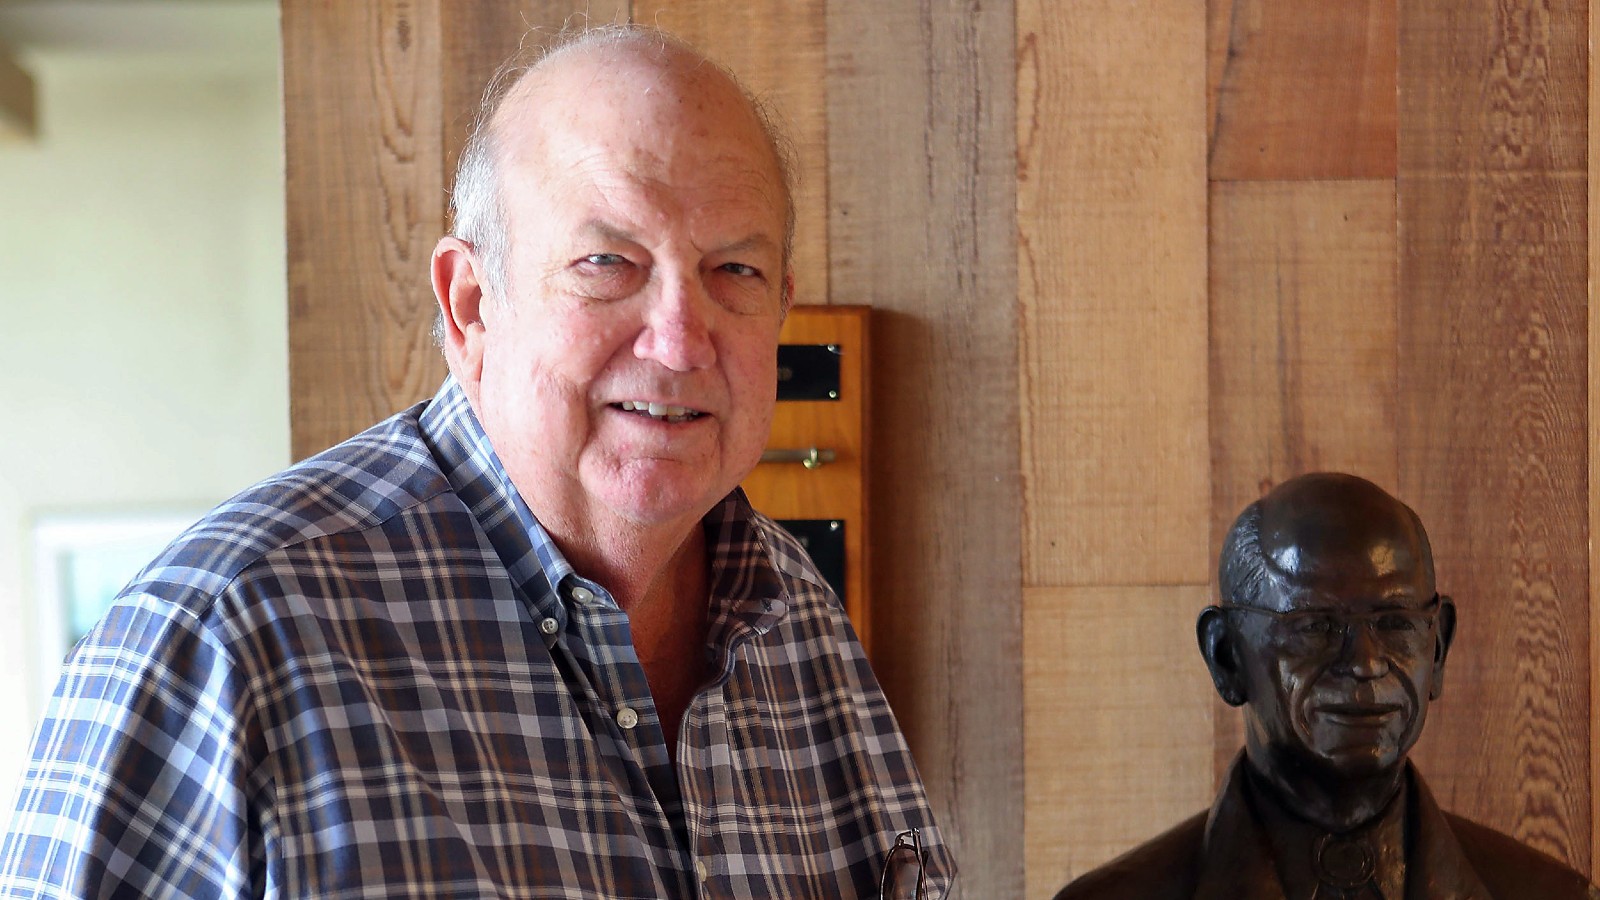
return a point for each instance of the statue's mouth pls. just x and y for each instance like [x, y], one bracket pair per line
[1358, 714]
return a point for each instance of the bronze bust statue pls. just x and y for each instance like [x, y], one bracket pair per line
[1332, 638]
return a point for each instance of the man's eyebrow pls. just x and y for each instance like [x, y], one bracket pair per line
[599, 228]
[753, 242]
[607, 230]
[1406, 600]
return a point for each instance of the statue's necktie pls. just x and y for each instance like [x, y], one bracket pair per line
[1346, 868]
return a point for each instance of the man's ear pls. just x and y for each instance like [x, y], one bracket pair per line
[1222, 658]
[1441, 645]
[458, 287]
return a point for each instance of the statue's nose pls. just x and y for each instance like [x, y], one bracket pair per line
[1362, 654]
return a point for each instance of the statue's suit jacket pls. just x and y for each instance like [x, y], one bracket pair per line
[1223, 854]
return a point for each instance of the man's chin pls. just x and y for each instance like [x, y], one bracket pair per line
[660, 493]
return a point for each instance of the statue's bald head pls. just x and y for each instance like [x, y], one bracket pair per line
[1319, 525]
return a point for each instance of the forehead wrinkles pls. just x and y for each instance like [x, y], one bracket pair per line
[716, 203]
[652, 146]
[703, 168]
[640, 189]
[1287, 592]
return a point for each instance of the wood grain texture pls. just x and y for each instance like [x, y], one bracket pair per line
[1492, 454]
[1118, 704]
[1111, 205]
[922, 224]
[778, 48]
[1301, 91]
[1304, 322]
[365, 205]
[378, 98]
[1488, 86]
[837, 490]
[478, 37]
[1493, 431]
[1304, 325]
[1594, 434]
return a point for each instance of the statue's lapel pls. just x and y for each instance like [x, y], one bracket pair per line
[1236, 858]
[1436, 868]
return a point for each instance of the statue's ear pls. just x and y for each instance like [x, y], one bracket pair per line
[1441, 646]
[1222, 657]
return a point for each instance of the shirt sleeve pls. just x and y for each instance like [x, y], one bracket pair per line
[137, 781]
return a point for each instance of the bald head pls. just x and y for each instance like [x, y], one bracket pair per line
[616, 74]
[1320, 526]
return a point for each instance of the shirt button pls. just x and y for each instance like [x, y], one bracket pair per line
[700, 866]
[627, 718]
[582, 595]
[549, 626]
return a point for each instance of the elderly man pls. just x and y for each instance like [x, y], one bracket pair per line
[1333, 640]
[527, 639]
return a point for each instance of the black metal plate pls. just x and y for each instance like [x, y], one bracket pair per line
[824, 540]
[808, 371]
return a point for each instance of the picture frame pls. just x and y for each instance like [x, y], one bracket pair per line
[81, 561]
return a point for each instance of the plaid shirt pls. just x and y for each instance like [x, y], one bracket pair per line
[374, 675]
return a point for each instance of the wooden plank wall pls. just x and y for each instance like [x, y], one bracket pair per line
[1593, 433]
[1111, 261]
[378, 97]
[921, 175]
[358, 322]
[1493, 185]
[1303, 253]
[1395, 285]
[1132, 264]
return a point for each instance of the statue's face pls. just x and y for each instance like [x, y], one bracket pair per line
[1342, 652]
[1343, 677]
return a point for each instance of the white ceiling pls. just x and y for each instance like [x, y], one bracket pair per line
[242, 30]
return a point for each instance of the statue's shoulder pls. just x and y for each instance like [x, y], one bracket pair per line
[1166, 867]
[1510, 868]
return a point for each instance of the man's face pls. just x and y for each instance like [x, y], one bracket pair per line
[1339, 681]
[631, 372]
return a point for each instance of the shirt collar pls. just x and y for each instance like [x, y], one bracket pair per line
[748, 595]
[468, 460]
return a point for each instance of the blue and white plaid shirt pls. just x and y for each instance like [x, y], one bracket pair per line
[374, 675]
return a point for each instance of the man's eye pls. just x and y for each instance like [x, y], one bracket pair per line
[740, 269]
[604, 259]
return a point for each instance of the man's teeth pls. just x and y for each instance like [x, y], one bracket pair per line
[660, 410]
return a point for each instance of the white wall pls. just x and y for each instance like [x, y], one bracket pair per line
[142, 288]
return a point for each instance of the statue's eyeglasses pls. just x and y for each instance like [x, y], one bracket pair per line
[1319, 631]
[897, 881]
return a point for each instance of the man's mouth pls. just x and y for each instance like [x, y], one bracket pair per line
[661, 412]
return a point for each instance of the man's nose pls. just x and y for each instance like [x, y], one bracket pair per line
[677, 326]
[1362, 655]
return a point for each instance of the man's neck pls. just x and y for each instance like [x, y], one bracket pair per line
[638, 564]
[662, 581]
